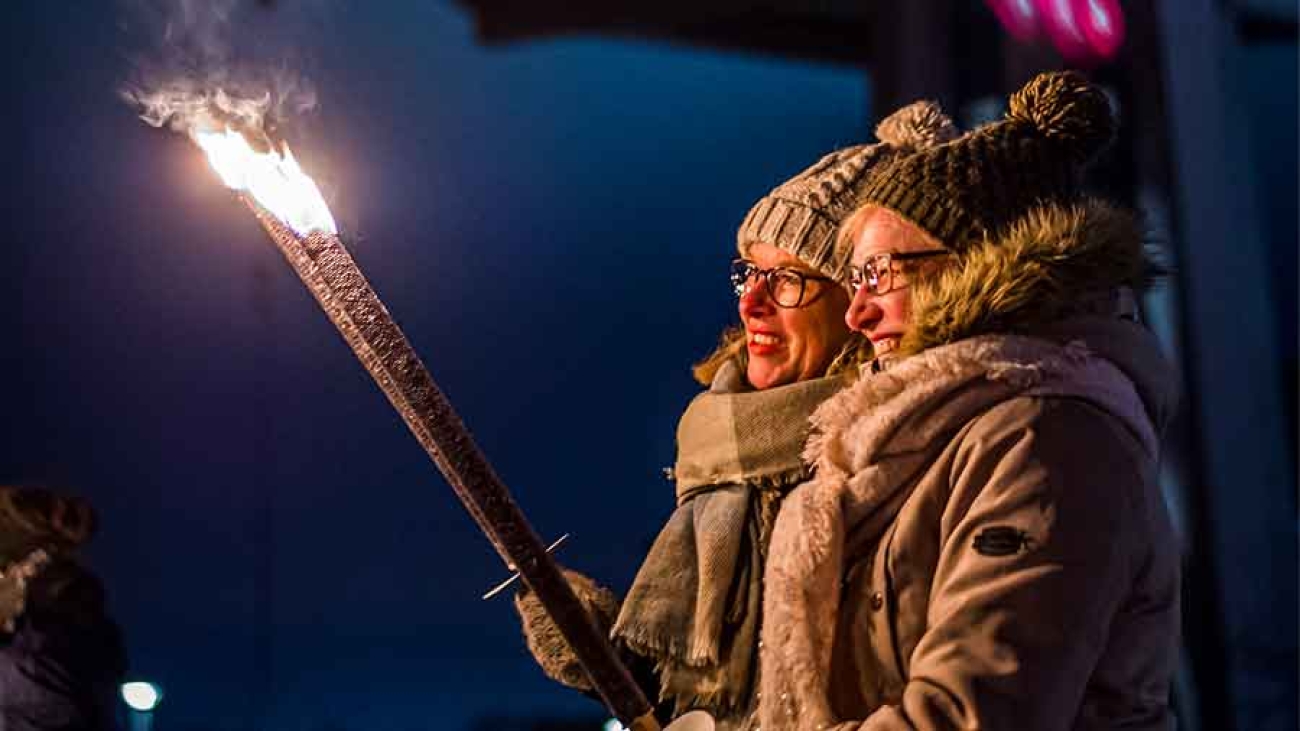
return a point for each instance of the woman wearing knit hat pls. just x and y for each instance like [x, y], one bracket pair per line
[61, 657]
[983, 544]
[690, 621]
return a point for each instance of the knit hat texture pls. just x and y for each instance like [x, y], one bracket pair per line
[973, 187]
[802, 214]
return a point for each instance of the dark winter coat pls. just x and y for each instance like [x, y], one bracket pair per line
[61, 667]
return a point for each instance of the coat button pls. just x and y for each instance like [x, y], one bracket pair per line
[877, 601]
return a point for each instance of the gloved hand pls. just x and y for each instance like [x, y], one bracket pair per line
[544, 639]
[13, 588]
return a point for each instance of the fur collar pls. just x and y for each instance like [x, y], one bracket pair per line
[908, 408]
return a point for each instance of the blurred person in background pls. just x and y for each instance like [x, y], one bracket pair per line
[61, 657]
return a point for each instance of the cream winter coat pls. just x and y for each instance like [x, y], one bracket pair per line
[983, 544]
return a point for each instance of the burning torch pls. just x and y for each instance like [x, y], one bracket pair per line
[292, 211]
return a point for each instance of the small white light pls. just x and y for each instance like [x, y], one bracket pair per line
[613, 725]
[143, 697]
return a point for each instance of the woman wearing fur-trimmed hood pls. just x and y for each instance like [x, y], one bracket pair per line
[983, 544]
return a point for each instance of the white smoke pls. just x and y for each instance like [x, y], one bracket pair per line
[202, 65]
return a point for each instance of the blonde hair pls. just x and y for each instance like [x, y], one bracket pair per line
[851, 229]
[853, 225]
[731, 346]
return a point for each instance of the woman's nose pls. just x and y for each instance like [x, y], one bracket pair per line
[754, 301]
[863, 311]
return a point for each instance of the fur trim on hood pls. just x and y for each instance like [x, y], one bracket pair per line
[1054, 262]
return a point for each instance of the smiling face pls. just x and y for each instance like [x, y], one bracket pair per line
[884, 318]
[789, 344]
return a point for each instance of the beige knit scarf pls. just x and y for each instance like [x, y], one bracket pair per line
[695, 604]
[869, 444]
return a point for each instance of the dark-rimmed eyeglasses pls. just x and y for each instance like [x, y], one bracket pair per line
[784, 285]
[877, 273]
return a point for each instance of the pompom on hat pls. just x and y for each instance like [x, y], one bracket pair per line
[803, 214]
[972, 187]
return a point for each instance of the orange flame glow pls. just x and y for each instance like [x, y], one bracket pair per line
[273, 180]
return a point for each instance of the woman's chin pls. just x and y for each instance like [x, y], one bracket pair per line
[763, 377]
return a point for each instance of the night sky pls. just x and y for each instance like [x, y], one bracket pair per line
[550, 222]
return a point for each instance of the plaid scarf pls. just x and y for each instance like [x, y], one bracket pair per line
[695, 605]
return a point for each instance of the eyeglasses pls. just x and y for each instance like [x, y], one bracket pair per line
[785, 286]
[877, 272]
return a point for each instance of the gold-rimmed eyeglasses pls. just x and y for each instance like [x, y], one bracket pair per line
[876, 274]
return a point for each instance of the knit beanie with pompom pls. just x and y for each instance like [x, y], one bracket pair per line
[973, 187]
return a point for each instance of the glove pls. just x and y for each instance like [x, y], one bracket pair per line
[545, 642]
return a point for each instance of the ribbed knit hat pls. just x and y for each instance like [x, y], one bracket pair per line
[802, 214]
[974, 186]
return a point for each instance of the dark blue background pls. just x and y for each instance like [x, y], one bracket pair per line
[550, 222]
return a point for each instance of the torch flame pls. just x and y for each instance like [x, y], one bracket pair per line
[274, 181]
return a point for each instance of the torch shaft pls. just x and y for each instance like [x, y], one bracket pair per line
[335, 280]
